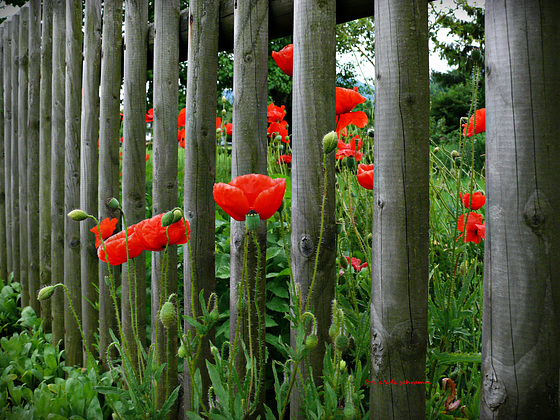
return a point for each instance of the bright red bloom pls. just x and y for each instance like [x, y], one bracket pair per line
[152, 237]
[356, 263]
[287, 159]
[229, 129]
[181, 136]
[257, 192]
[150, 115]
[479, 125]
[275, 113]
[280, 129]
[475, 228]
[346, 101]
[218, 122]
[365, 176]
[182, 117]
[347, 150]
[116, 247]
[285, 59]
[478, 200]
[107, 227]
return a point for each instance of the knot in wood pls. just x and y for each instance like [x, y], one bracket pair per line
[306, 246]
[377, 350]
[237, 239]
[494, 390]
[537, 212]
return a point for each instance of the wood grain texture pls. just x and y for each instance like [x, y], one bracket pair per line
[7, 102]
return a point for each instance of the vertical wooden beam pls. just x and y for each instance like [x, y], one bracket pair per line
[521, 314]
[57, 168]
[89, 159]
[399, 303]
[250, 70]
[109, 135]
[165, 179]
[45, 127]
[134, 168]
[313, 117]
[3, 238]
[200, 172]
[34, 77]
[14, 185]
[7, 103]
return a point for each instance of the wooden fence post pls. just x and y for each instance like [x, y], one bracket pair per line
[7, 103]
[45, 127]
[314, 116]
[22, 143]
[14, 151]
[200, 172]
[134, 168]
[57, 169]
[165, 181]
[3, 238]
[34, 77]
[399, 303]
[89, 160]
[109, 134]
[521, 314]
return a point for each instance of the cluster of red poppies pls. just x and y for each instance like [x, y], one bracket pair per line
[147, 235]
[472, 222]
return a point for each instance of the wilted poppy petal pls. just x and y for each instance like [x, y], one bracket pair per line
[285, 59]
[269, 201]
[232, 200]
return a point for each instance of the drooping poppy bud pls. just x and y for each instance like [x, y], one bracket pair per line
[113, 203]
[167, 314]
[311, 341]
[45, 293]
[78, 215]
[330, 141]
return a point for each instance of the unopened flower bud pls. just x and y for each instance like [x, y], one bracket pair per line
[224, 99]
[177, 215]
[78, 215]
[45, 293]
[436, 150]
[278, 138]
[224, 112]
[371, 133]
[476, 56]
[167, 219]
[182, 352]
[333, 331]
[311, 341]
[113, 203]
[341, 365]
[341, 342]
[214, 315]
[218, 131]
[344, 262]
[252, 220]
[167, 314]
[330, 141]
[350, 162]
[349, 410]
[454, 154]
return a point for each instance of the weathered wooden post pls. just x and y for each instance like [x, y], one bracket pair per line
[7, 103]
[34, 77]
[134, 168]
[314, 116]
[165, 180]
[3, 238]
[89, 160]
[521, 315]
[14, 176]
[109, 134]
[45, 127]
[22, 143]
[249, 154]
[200, 172]
[57, 168]
[399, 305]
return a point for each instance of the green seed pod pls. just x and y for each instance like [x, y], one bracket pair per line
[278, 139]
[45, 293]
[224, 99]
[167, 219]
[349, 410]
[214, 315]
[333, 332]
[311, 341]
[436, 150]
[182, 352]
[476, 56]
[454, 154]
[341, 342]
[177, 215]
[167, 314]
[113, 203]
[341, 366]
[330, 141]
[78, 215]
[224, 112]
[252, 220]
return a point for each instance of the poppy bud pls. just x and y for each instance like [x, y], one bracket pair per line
[278, 139]
[371, 133]
[330, 141]
[350, 162]
[45, 293]
[177, 215]
[476, 56]
[167, 314]
[113, 203]
[167, 219]
[436, 150]
[224, 99]
[214, 315]
[311, 341]
[214, 351]
[341, 342]
[252, 220]
[78, 215]
[349, 410]
[224, 112]
[182, 352]
[218, 131]
[341, 365]
[454, 154]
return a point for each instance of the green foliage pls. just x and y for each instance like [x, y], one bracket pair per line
[10, 295]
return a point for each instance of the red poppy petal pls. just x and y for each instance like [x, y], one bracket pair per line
[347, 99]
[285, 59]
[252, 185]
[357, 118]
[232, 200]
[365, 179]
[116, 247]
[182, 117]
[269, 201]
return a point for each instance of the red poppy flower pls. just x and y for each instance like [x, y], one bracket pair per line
[181, 136]
[365, 176]
[285, 59]
[356, 263]
[116, 247]
[478, 200]
[346, 101]
[350, 149]
[218, 122]
[182, 117]
[229, 129]
[257, 192]
[479, 125]
[279, 128]
[150, 115]
[152, 237]
[275, 113]
[475, 228]
[287, 159]
[107, 227]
